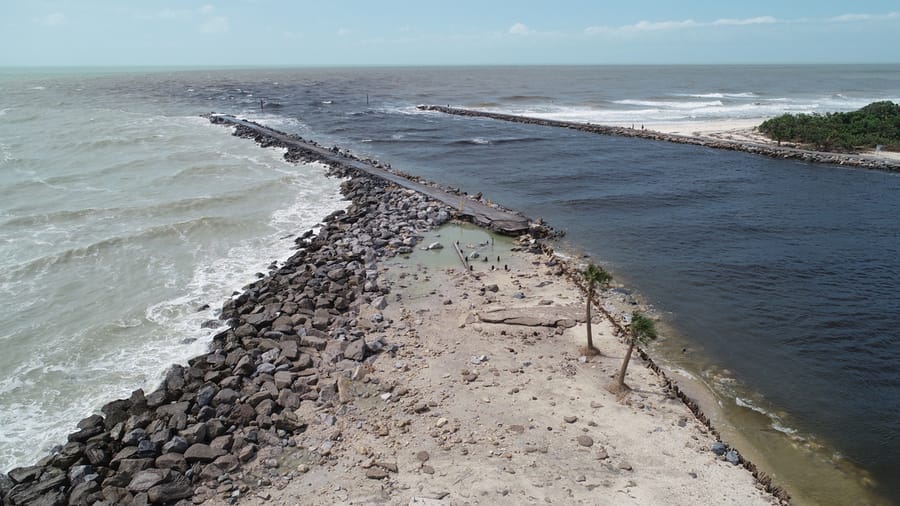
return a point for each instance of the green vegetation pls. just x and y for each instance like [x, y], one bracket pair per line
[642, 331]
[875, 124]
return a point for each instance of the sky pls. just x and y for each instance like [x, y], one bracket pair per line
[457, 32]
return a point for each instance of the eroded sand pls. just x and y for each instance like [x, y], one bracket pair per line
[468, 412]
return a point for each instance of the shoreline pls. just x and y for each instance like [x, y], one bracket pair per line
[299, 340]
[742, 138]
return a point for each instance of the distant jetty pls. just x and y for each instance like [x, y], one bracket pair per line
[468, 208]
[773, 151]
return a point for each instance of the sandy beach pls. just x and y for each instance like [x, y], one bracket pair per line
[741, 131]
[489, 400]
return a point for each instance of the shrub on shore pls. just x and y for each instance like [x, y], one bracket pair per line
[875, 124]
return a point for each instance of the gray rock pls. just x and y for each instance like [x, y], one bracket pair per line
[85, 434]
[178, 488]
[147, 478]
[283, 379]
[25, 474]
[288, 399]
[132, 438]
[265, 368]
[130, 467]
[174, 461]
[584, 440]
[200, 452]
[225, 396]
[288, 422]
[379, 303]
[376, 473]
[194, 434]
[81, 492]
[733, 457]
[147, 449]
[6, 484]
[356, 350]
[211, 472]
[320, 319]
[227, 462]
[718, 448]
[177, 444]
[205, 395]
[289, 349]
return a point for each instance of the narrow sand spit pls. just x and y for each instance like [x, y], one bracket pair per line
[469, 411]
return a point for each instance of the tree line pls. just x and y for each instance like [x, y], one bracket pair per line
[875, 124]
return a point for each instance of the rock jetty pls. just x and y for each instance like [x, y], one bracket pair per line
[291, 336]
[772, 151]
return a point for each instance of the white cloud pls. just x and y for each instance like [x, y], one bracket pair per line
[207, 9]
[53, 19]
[519, 29]
[343, 32]
[761, 20]
[217, 24]
[291, 35]
[649, 26]
[864, 17]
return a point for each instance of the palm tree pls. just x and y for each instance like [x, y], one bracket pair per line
[594, 276]
[642, 330]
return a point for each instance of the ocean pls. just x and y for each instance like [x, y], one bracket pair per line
[126, 220]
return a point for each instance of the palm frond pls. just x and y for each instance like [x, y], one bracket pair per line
[643, 328]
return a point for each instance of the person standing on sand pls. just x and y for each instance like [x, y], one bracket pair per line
[260, 104]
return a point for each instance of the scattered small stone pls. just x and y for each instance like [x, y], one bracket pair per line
[423, 456]
[376, 473]
[388, 466]
[570, 419]
[733, 457]
[585, 440]
[427, 469]
[719, 448]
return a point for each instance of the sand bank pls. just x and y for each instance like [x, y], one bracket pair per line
[478, 408]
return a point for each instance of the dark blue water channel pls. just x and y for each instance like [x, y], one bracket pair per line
[786, 272]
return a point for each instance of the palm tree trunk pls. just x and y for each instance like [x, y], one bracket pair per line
[587, 319]
[620, 381]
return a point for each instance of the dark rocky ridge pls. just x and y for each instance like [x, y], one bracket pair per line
[782, 152]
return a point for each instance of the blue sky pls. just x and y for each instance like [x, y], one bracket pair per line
[387, 32]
